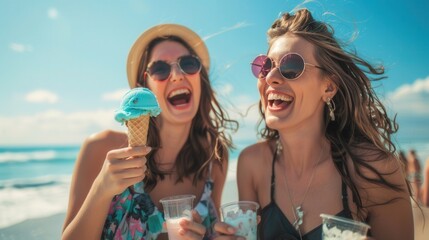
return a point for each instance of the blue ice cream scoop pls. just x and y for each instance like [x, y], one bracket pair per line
[137, 102]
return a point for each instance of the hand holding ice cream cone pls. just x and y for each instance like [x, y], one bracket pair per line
[122, 168]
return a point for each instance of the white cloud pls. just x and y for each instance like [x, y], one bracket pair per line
[55, 127]
[53, 13]
[411, 98]
[225, 89]
[114, 96]
[420, 86]
[41, 96]
[20, 48]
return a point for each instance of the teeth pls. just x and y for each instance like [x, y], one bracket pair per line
[179, 91]
[275, 96]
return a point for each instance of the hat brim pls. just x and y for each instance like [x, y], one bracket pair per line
[189, 36]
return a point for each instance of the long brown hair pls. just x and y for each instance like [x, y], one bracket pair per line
[361, 119]
[207, 140]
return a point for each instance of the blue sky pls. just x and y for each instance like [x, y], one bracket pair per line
[62, 63]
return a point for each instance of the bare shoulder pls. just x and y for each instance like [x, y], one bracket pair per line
[384, 192]
[105, 141]
[254, 171]
[255, 148]
[95, 148]
[377, 164]
[108, 138]
[257, 154]
[379, 177]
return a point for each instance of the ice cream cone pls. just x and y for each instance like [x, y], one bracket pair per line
[137, 106]
[138, 130]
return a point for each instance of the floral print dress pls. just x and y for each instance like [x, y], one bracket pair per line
[133, 215]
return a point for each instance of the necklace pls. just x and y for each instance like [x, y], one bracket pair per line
[298, 212]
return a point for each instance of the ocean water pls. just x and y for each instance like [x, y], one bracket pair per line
[35, 181]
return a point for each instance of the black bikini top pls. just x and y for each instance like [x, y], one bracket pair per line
[274, 224]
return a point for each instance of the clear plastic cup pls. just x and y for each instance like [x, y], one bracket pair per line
[338, 228]
[243, 216]
[177, 208]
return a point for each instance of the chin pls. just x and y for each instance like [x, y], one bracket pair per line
[183, 117]
[272, 122]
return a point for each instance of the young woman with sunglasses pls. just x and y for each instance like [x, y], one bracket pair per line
[187, 148]
[327, 140]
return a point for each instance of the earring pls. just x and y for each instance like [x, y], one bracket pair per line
[279, 147]
[331, 106]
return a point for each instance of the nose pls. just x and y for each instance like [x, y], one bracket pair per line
[274, 77]
[176, 73]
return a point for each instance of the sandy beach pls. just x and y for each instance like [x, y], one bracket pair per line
[49, 228]
[421, 223]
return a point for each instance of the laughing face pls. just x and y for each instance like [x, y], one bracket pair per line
[298, 103]
[179, 94]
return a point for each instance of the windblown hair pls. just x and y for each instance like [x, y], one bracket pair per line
[207, 140]
[361, 121]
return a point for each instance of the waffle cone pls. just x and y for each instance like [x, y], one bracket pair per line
[137, 131]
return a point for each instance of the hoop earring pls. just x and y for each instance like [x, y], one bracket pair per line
[331, 107]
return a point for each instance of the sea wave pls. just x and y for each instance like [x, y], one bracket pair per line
[36, 155]
[22, 199]
[43, 181]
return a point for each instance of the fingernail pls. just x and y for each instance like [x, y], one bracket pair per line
[149, 149]
[231, 230]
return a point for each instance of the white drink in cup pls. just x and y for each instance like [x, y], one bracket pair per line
[243, 216]
[338, 228]
[177, 208]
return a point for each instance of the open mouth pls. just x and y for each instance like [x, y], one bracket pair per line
[279, 101]
[179, 97]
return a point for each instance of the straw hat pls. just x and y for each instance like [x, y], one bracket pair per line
[189, 36]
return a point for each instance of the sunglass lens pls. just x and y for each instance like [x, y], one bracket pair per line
[257, 65]
[159, 70]
[190, 64]
[267, 65]
[291, 66]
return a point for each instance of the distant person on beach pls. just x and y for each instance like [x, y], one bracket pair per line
[403, 160]
[187, 150]
[414, 173]
[424, 191]
[327, 140]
